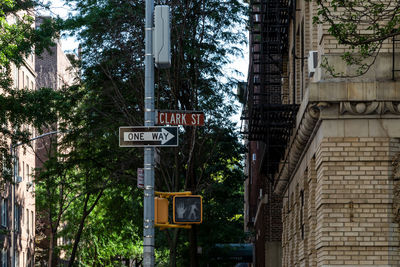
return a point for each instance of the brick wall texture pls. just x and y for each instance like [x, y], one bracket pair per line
[341, 213]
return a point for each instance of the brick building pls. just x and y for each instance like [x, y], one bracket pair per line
[54, 70]
[17, 201]
[323, 161]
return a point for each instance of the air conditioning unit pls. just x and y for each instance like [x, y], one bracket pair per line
[29, 185]
[312, 62]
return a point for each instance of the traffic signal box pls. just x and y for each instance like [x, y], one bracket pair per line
[187, 209]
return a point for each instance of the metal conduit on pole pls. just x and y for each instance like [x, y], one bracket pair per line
[14, 180]
[149, 116]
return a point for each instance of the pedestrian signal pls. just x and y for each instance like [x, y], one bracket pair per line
[187, 209]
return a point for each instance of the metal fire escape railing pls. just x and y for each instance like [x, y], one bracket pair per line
[268, 115]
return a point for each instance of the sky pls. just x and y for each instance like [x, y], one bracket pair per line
[70, 44]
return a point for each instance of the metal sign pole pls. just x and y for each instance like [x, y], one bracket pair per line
[148, 218]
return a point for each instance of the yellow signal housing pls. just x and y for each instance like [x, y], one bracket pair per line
[160, 210]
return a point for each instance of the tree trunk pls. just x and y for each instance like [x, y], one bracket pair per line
[172, 248]
[194, 262]
[191, 184]
[52, 260]
[78, 235]
[76, 241]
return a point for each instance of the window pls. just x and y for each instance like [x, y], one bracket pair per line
[18, 167]
[17, 217]
[16, 258]
[16, 85]
[4, 260]
[302, 214]
[27, 220]
[4, 212]
[23, 80]
[6, 168]
[33, 222]
[27, 173]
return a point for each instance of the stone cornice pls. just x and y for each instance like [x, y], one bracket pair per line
[358, 99]
[354, 91]
[297, 145]
[369, 108]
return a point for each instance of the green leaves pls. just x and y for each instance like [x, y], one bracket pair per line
[111, 95]
[362, 26]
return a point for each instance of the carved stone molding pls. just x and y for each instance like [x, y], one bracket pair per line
[367, 108]
[299, 141]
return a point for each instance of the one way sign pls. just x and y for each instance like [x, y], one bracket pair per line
[140, 136]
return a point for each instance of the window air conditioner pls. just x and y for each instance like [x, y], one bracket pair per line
[312, 62]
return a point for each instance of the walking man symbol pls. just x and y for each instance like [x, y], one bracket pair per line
[193, 210]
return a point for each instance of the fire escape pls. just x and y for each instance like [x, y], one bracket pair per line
[269, 114]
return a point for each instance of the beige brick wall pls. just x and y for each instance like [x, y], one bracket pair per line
[347, 213]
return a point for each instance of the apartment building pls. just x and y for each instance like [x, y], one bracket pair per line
[18, 201]
[24, 202]
[323, 152]
[54, 70]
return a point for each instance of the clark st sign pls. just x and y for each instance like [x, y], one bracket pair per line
[178, 117]
[142, 136]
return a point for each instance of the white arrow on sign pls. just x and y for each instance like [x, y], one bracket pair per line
[164, 136]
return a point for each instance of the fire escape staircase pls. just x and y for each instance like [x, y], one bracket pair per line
[268, 115]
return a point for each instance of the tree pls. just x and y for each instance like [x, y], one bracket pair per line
[204, 34]
[91, 159]
[19, 107]
[111, 34]
[18, 39]
[362, 26]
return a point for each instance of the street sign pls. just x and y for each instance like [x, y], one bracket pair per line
[141, 136]
[140, 178]
[179, 117]
[187, 209]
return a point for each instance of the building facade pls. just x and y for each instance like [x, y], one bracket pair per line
[24, 202]
[54, 70]
[325, 150]
[18, 201]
